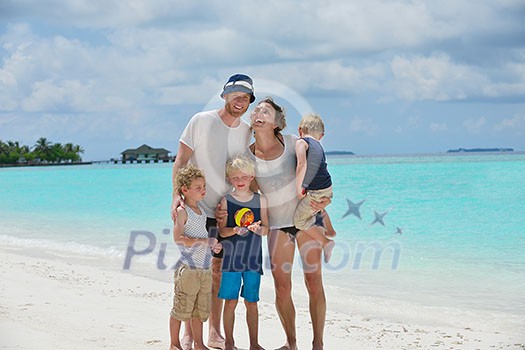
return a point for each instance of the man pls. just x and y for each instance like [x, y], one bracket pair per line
[208, 141]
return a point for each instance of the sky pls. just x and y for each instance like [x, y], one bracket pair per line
[388, 77]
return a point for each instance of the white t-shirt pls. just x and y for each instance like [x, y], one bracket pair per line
[276, 180]
[213, 143]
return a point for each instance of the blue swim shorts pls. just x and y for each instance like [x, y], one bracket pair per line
[231, 285]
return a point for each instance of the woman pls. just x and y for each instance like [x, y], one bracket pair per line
[274, 155]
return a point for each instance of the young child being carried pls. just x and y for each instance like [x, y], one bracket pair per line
[242, 232]
[192, 281]
[313, 182]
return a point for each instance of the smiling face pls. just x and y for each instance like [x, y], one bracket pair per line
[240, 180]
[237, 103]
[263, 116]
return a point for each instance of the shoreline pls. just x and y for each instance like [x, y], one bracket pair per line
[330, 154]
[42, 164]
[58, 301]
[407, 285]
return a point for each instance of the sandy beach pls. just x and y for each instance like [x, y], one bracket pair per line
[52, 300]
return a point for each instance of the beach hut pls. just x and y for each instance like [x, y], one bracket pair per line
[146, 154]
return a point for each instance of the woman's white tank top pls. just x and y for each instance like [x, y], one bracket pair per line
[276, 179]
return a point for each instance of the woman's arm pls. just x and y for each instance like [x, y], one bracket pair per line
[300, 152]
[319, 206]
[254, 186]
[263, 227]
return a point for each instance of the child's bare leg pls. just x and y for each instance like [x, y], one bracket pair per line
[215, 338]
[196, 328]
[229, 321]
[252, 319]
[318, 233]
[174, 334]
[187, 339]
[329, 229]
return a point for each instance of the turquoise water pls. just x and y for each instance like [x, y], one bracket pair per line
[462, 219]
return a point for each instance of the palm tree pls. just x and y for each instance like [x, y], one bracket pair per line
[78, 150]
[26, 154]
[10, 152]
[69, 152]
[4, 153]
[13, 146]
[42, 145]
[3, 147]
[68, 147]
[42, 148]
[56, 153]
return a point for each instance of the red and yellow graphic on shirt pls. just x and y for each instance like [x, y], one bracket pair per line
[244, 217]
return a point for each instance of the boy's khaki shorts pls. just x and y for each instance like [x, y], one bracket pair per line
[304, 216]
[192, 298]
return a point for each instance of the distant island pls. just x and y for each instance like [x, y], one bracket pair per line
[44, 152]
[459, 150]
[339, 153]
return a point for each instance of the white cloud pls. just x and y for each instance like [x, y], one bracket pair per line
[515, 123]
[102, 13]
[6, 119]
[438, 127]
[154, 50]
[414, 121]
[66, 95]
[112, 65]
[473, 125]
[331, 76]
[433, 78]
[411, 123]
[362, 126]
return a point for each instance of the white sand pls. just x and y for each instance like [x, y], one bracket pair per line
[49, 300]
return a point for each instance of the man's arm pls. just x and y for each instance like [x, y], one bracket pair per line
[183, 156]
[225, 231]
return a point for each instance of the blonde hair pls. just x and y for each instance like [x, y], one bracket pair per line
[240, 163]
[312, 124]
[186, 175]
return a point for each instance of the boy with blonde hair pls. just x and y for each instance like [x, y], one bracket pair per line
[192, 280]
[242, 231]
[313, 181]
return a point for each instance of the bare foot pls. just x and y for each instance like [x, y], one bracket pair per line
[230, 347]
[327, 250]
[186, 343]
[317, 346]
[215, 339]
[287, 347]
[175, 347]
[256, 347]
[216, 342]
[201, 347]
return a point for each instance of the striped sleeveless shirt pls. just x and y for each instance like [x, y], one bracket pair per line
[199, 255]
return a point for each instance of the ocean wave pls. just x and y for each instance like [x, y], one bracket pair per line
[63, 247]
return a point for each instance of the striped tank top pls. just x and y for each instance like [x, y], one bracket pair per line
[199, 255]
